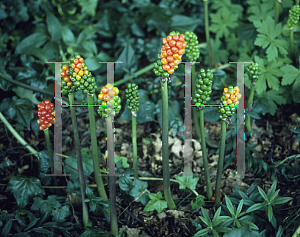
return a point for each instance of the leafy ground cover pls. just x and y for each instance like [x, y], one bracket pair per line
[36, 32]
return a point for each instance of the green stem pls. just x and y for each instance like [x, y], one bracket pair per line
[292, 42]
[194, 109]
[248, 119]
[165, 149]
[17, 136]
[204, 154]
[138, 73]
[112, 179]
[297, 2]
[220, 164]
[206, 22]
[277, 8]
[297, 232]
[98, 177]
[85, 213]
[134, 150]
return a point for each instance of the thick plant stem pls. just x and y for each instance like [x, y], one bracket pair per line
[248, 119]
[277, 8]
[17, 136]
[204, 154]
[165, 149]
[112, 181]
[292, 42]
[220, 164]
[206, 22]
[98, 177]
[85, 213]
[50, 154]
[195, 117]
[134, 149]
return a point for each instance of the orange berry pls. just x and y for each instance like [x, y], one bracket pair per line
[227, 96]
[184, 44]
[41, 128]
[172, 65]
[232, 97]
[171, 71]
[179, 44]
[81, 60]
[165, 40]
[111, 93]
[66, 79]
[176, 62]
[175, 37]
[80, 73]
[106, 97]
[104, 90]
[229, 101]
[166, 67]
[169, 52]
[85, 72]
[164, 61]
[175, 56]
[164, 54]
[213, 198]
[181, 51]
[225, 90]
[76, 70]
[169, 38]
[73, 65]
[63, 73]
[167, 46]
[181, 37]
[79, 65]
[75, 61]
[70, 83]
[68, 72]
[170, 59]
[174, 50]
[65, 67]
[100, 96]
[172, 43]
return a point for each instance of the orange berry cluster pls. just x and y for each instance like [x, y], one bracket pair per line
[46, 114]
[231, 96]
[214, 197]
[172, 51]
[67, 86]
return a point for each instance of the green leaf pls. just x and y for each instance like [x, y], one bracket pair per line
[90, 46]
[272, 190]
[68, 36]
[290, 74]
[45, 206]
[260, 10]
[220, 55]
[227, 5]
[296, 92]
[269, 31]
[24, 188]
[139, 191]
[255, 207]
[183, 23]
[263, 194]
[54, 26]
[173, 111]
[74, 187]
[6, 228]
[202, 232]
[282, 200]
[94, 232]
[250, 224]
[206, 216]
[274, 98]
[60, 214]
[145, 112]
[86, 34]
[93, 63]
[126, 183]
[199, 202]
[230, 206]
[128, 58]
[270, 212]
[239, 209]
[25, 94]
[124, 160]
[87, 163]
[222, 21]
[242, 232]
[187, 182]
[32, 41]
[155, 203]
[88, 6]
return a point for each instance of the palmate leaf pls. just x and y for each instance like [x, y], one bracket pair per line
[220, 55]
[260, 9]
[155, 203]
[45, 206]
[269, 31]
[229, 6]
[290, 74]
[187, 182]
[222, 21]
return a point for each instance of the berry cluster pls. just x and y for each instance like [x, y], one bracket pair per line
[294, 14]
[170, 56]
[67, 86]
[203, 87]
[46, 114]
[253, 71]
[80, 75]
[107, 98]
[229, 101]
[132, 96]
[192, 51]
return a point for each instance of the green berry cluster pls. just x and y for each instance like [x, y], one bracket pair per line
[203, 87]
[192, 50]
[294, 14]
[109, 101]
[132, 96]
[81, 76]
[158, 68]
[253, 71]
[226, 111]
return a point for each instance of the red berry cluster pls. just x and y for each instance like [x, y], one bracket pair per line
[46, 114]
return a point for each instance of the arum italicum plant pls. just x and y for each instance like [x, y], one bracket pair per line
[109, 106]
[293, 19]
[68, 88]
[229, 101]
[167, 63]
[132, 100]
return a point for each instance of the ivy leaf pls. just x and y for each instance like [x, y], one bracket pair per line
[24, 188]
[88, 6]
[155, 203]
[269, 31]
[187, 182]
[199, 202]
[139, 191]
[222, 21]
[45, 206]
[290, 74]
[124, 160]
[25, 94]
[60, 214]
